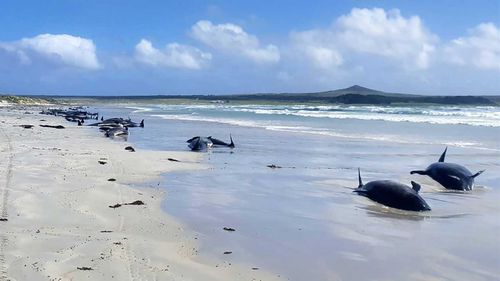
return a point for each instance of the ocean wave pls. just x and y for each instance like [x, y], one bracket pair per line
[446, 115]
[139, 109]
[195, 117]
[316, 131]
[270, 126]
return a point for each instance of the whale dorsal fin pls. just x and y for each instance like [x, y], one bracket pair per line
[415, 186]
[477, 174]
[359, 179]
[441, 159]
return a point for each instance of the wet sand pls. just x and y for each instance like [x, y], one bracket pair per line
[303, 221]
[56, 220]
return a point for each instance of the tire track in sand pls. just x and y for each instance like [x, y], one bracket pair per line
[4, 209]
[8, 177]
[133, 272]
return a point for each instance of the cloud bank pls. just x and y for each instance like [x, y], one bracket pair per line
[480, 49]
[61, 49]
[368, 32]
[233, 39]
[173, 55]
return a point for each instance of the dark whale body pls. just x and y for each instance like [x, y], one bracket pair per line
[393, 194]
[450, 175]
[113, 122]
[217, 142]
[201, 143]
[118, 131]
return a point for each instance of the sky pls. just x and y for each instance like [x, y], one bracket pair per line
[92, 47]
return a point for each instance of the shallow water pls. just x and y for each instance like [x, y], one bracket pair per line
[302, 221]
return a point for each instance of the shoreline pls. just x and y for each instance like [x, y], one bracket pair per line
[58, 223]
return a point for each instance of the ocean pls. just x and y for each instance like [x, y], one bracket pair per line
[302, 221]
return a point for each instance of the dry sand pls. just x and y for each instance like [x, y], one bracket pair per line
[57, 223]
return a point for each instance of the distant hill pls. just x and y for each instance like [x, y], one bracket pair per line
[360, 95]
[356, 90]
[352, 95]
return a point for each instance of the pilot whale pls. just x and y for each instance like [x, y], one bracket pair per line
[199, 143]
[217, 142]
[450, 175]
[393, 194]
[118, 131]
[114, 122]
[202, 143]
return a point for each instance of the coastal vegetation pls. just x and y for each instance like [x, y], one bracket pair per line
[25, 100]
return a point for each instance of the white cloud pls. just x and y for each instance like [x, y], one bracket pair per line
[387, 34]
[59, 48]
[318, 47]
[481, 48]
[174, 55]
[233, 39]
[369, 32]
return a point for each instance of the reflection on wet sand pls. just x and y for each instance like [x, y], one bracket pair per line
[386, 212]
[303, 221]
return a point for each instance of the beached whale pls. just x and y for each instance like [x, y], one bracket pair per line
[393, 194]
[107, 121]
[202, 143]
[107, 127]
[129, 123]
[118, 131]
[113, 122]
[449, 175]
[199, 143]
[72, 114]
[217, 142]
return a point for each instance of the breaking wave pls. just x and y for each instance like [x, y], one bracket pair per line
[452, 115]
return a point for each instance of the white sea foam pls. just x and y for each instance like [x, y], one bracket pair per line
[196, 117]
[451, 115]
[273, 126]
[139, 109]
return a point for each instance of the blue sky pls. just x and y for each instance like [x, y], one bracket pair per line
[205, 47]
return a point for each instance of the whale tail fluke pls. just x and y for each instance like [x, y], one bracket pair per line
[420, 172]
[360, 182]
[142, 124]
[231, 145]
[441, 159]
[477, 174]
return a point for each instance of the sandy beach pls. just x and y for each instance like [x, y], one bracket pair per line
[56, 220]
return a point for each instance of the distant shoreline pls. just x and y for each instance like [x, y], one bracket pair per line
[354, 95]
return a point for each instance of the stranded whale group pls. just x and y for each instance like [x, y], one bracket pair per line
[396, 195]
[115, 127]
[112, 127]
[389, 193]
